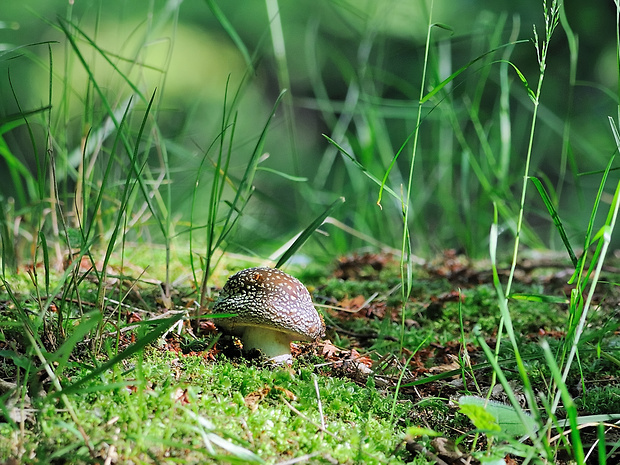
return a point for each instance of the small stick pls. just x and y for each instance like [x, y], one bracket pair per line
[318, 396]
[303, 458]
[297, 412]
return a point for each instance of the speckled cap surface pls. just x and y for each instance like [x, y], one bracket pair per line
[268, 298]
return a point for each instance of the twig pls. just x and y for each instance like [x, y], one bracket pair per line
[297, 412]
[318, 397]
[303, 458]
[420, 449]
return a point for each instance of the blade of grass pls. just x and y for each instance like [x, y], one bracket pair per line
[232, 33]
[36, 345]
[46, 261]
[110, 112]
[556, 218]
[371, 176]
[465, 67]
[101, 52]
[122, 210]
[569, 404]
[306, 233]
[406, 267]
[7, 241]
[603, 243]
[284, 80]
[551, 17]
[541, 445]
[506, 321]
[160, 328]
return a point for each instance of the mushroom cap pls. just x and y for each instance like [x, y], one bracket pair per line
[271, 299]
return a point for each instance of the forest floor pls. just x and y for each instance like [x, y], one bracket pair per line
[148, 381]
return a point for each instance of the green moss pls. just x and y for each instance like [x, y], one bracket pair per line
[599, 400]
[154, 415]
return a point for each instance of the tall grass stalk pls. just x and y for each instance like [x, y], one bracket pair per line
[603, 239]
[155, 189]
[584, 276]
[406, 267]
[551, 18]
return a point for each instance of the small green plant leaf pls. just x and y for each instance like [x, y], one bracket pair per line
[415, 431]
[522, 78]
[443, 26]
[61, 356]
[539, 298]
[19, 117]
[74, 236]
[19, 360]
[496, 417]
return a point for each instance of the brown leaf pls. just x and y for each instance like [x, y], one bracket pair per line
[445, 367]
[133, 317]
[180, 395]
[254, 398]
[447, 450]
[352, 304]
[329, 349]
[358, 267]
[286, 392]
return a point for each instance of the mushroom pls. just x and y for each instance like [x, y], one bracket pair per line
[272, 309]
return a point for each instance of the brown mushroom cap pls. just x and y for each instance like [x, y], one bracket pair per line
[270, 299]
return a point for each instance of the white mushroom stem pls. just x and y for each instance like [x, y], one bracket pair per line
[275, 345]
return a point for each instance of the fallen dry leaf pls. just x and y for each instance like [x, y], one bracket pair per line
[352, 303]
[286, 392]
[445, 367]
[329, 349]
[180, 395]
[254, 398]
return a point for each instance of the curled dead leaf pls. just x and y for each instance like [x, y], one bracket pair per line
[254, 398]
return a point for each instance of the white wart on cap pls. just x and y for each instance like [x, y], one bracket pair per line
[272, 309]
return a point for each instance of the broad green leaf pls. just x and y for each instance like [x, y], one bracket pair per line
[503, 417]
[483, 420]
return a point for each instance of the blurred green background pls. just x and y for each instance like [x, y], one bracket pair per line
[354, 71]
